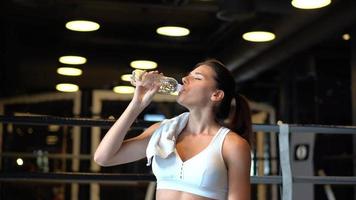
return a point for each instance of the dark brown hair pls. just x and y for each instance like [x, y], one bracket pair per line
[240, 121]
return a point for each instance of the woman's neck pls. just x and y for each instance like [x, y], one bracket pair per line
[202, 121]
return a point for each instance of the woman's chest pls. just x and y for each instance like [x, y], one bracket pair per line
[188, 146]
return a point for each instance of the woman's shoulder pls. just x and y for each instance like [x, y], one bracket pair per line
[236, 144]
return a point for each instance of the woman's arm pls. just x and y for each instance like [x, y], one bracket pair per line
[237, 156]
[113, 150]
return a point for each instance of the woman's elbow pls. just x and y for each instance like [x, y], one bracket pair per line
[101, 160]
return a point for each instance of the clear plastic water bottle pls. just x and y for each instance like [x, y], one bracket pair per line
[168, 85]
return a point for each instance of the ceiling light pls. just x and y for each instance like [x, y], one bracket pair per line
[124, 89]
[346, 36]
[69, 71]
[51, 139]
[67, 87]
[174, 31]
[143, 64]
[82, 25]
[258, 36]
[310, 4]
[126, 77]
[53, 128]
[19, 161]
[72, 60]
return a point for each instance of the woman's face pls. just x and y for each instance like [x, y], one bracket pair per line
[198, 86]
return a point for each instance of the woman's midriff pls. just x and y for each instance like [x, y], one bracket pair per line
[164, 194]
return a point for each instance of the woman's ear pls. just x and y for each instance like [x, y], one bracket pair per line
[218, 95]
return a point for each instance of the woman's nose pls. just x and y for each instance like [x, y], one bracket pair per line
[184, 80]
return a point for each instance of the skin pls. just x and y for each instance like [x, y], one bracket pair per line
[199, 96]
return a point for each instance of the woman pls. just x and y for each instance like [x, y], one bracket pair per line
[194, 156]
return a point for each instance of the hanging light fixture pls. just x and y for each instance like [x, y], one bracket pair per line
[72, 60]
[310, 4]
[67, 87]
[346, 36]
[173, 31]
[126, 77]
[143, 64]
[124, 89]
[259, 36]
[82, 25]
[19, 161]
[69, 71]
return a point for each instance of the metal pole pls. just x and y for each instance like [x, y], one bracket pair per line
[353, 96]
[284, 156]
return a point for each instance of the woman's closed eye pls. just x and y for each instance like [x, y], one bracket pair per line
[195, 76]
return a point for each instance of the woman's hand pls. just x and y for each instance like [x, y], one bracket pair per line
[145, 90]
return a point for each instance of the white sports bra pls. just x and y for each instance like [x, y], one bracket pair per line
[205, 174]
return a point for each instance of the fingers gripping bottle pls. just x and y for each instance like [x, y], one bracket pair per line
[168, 85]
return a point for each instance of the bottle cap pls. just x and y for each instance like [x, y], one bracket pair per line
[179, 87]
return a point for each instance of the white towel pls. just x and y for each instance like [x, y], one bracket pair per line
[163, 140]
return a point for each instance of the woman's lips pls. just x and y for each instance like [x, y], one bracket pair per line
[181, 91]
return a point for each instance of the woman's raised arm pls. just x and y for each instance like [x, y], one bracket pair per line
[113, 150]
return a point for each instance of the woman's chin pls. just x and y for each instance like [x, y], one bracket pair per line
[180, 100]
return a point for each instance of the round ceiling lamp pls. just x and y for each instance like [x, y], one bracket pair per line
[126, 77]
[259, 36]
[72, 60]
[67, 87]
[143, 64]
[82, 25]
[124, 89]
[173, 31]
[346, 36]
[19, 161]
[69, 71]
[310, 4]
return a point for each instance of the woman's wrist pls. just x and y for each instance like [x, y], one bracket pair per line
[136, 106]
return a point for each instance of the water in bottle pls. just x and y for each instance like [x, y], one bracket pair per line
[168, 85]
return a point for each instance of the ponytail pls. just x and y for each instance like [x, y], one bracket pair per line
[241, 121]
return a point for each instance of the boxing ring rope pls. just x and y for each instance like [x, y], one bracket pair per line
[106, 178]
[103, 178]
[107, 123]
[286, 180]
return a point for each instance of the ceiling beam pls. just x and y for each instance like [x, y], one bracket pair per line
[339, 17]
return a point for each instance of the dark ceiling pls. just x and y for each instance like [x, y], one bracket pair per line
[33, 37]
